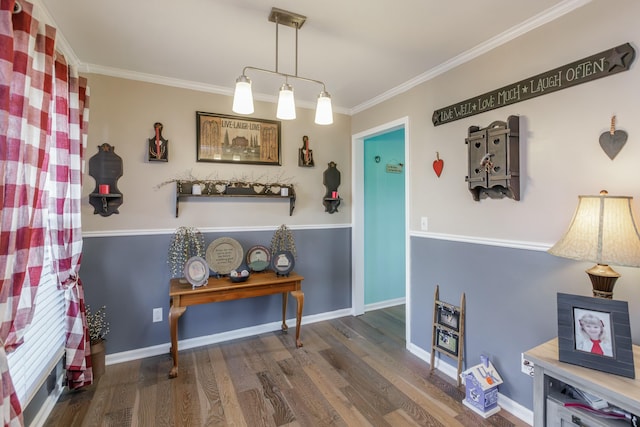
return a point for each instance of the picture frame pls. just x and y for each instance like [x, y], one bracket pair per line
[595, 333]
[231, 139]
[448, 316]
[447, 341]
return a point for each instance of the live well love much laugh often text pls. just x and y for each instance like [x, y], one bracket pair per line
[600, 65]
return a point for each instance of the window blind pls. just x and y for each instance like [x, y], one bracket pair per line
[43, 345]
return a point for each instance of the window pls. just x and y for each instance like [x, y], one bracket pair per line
[43, 345]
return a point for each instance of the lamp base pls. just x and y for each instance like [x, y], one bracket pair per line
[603, 279]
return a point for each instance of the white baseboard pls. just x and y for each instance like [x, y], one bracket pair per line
[384, 304]
[156, 350]
[507, 404]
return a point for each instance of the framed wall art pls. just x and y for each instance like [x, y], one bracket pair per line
[230, 139]
[595, 333]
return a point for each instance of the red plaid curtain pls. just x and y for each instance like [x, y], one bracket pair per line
[69, 130]
[26, 124]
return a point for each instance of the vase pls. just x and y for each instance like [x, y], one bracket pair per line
[98, 356]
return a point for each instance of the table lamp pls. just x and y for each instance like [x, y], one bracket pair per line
[603, 230]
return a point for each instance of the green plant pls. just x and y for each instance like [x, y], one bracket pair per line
[186, 242]
[97, 324]
[282, 240]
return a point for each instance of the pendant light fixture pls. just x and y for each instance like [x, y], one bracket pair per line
[243, 96]
[286, 103]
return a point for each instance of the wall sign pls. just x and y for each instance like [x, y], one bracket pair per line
[600, 65]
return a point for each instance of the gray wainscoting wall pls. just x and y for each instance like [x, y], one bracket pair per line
[130, 275]
[510, 300]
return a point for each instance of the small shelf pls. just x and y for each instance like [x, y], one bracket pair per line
[105, 204]
[331, 204]
[231, 190]
[106, 196]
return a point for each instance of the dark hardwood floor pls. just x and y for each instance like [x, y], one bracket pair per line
[352, 371]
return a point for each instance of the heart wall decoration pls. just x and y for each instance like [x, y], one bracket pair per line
[438, 165]
[613, 141]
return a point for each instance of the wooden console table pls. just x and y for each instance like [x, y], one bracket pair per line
[182, 295]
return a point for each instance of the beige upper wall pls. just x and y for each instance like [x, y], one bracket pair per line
[560, 154]
[122, 113]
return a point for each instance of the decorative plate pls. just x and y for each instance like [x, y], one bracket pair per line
[196, 271]
[224, 254]
[282, 263]
[258, 258]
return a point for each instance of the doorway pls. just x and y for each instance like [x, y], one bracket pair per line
[359, 233]
[384, 227]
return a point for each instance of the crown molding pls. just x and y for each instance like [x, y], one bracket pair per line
[512, 33]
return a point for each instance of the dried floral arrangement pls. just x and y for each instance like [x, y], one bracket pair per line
[97, 323]
[282, 240]
[186, 242]
[211, 181]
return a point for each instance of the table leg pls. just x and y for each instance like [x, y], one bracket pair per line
[285, 297]
[174, 315]
[299, 296]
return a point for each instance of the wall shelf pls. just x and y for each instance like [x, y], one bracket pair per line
[213, 189]
[106, 168]
[331, 180]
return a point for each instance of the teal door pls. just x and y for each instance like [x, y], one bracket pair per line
[384, 218]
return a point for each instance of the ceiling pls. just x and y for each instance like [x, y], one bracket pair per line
[363, 50]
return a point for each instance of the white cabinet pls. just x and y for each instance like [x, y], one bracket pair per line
[559, 415]
[550, 375]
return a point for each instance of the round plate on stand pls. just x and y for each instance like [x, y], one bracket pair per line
[224, 254]
[282, 263]
[196, 271]
[258, 258]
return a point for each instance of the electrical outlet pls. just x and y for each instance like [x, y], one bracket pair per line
[157, 314]
[424, 223]
[526, 366]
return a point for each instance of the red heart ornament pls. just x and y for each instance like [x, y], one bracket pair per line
[438, 165]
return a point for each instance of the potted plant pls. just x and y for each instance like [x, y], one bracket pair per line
[98, 330]
[186, 242]
[282, 240]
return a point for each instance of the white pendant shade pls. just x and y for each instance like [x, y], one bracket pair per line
[324, 111]
[286, 103]
[243, 97]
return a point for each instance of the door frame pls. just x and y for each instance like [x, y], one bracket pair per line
[357, 214]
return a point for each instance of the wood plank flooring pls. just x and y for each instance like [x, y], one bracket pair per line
[352, 371]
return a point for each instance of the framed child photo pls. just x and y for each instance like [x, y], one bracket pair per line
[595, 333]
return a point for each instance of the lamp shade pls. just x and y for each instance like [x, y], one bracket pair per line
[286, 103]
[324, 111]
[242, 96]
[603, 230]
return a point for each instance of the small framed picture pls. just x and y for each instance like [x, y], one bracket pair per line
[447, 341]
[595, 333]
[448, 316]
